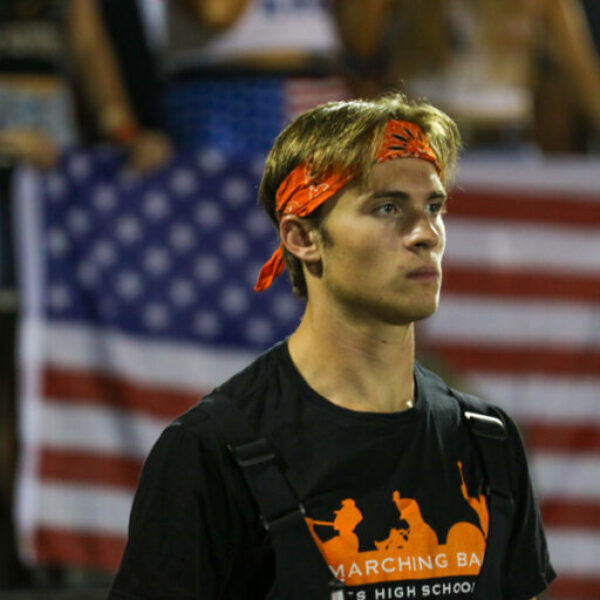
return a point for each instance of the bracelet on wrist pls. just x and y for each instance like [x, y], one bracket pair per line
[125, 133]
[118, 125]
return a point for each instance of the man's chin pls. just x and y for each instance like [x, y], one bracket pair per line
[408, 314]
[423, 308]
[422, 313]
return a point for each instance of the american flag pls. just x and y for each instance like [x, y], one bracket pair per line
[519, 320]
[138, 299]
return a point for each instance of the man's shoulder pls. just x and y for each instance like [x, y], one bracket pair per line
[439, 396]
[254, 378]
[249, 389]
[445, 398]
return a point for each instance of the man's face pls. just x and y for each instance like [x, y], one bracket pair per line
[382, 247]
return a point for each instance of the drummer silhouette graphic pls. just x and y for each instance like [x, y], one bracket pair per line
[411, 550]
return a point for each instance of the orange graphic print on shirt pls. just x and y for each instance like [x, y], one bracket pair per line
[411, 550]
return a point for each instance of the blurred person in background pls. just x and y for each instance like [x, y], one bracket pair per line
[561, 123]
[592, 11]
[239, 70]
[47, 49]
[46, 46]
[135, 30]
[483, 62]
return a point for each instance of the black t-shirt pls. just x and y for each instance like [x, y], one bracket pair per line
[394, 501]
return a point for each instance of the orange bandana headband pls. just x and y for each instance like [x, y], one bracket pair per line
[299, 194]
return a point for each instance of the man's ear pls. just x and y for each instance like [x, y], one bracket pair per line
[300, 238]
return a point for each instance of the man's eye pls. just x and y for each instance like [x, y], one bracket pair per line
[437, 208]
[386, 209]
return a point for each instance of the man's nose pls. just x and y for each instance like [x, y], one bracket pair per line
[424, 232]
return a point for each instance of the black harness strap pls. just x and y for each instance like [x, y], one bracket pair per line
[282, 513]
[489, 433]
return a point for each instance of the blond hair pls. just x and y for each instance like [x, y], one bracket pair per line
[345, 137]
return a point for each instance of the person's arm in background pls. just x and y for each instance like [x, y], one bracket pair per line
[30, 145]
[362, 27]
[96, 68]
[572, 47]
[216, 14]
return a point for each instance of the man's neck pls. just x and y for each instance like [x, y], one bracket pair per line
[360, 366]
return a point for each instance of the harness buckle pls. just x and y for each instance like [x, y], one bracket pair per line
[252, 453]
[486, 426]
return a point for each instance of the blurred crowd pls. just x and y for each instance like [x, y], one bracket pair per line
[156, 77]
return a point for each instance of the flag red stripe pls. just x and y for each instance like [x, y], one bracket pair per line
[571, 513]
[529, 284]
[515, 206]
[575, 588]
[571, 438]
[100, 551]
[300, 89]
[89, 468]
[86, 387]
[472, 358]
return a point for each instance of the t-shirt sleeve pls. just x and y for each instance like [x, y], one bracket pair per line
[179, 531]
[528, 567]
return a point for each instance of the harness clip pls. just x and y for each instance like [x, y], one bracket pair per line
[486, 426]
[252, 453]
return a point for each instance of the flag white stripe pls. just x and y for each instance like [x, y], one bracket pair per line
[561, 475]
[565, 176]
[541, 399]
[99, 429]
[106, 510]
[88, 508]
[183, 366]
[520, 246]
[31, 267]
[463, 318]
[574, 552]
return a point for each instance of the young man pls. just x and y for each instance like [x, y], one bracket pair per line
[334, 466]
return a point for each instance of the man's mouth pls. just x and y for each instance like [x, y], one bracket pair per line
[424, 273]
